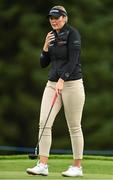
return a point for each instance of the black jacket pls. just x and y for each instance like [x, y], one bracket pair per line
[64, 55]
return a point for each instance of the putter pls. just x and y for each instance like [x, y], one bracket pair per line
[35, 155]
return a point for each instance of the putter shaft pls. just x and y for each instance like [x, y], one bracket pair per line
[52, 104]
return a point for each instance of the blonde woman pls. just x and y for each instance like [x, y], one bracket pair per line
[61, 49]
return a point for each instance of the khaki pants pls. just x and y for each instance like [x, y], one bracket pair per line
[72, 97]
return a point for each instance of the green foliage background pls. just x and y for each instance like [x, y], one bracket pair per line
[23, 27]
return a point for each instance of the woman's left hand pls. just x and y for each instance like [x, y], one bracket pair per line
[59, 86]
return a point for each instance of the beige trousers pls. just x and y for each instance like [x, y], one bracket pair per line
[72, 97]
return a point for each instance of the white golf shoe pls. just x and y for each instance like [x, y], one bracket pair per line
[39, 169]
[73, 171]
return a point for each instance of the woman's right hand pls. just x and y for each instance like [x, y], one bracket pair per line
[50, 37]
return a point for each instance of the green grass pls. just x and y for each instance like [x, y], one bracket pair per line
[95, 167]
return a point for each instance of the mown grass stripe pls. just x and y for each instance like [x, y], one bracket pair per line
[86, 157]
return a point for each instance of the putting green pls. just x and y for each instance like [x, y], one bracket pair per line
[95, 168]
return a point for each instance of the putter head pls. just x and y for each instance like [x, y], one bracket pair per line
[33, 156]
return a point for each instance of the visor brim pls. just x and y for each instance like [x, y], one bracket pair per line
[54, 15]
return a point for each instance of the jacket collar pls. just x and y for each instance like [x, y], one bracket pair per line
[65, 27]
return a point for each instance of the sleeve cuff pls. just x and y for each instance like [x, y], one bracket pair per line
[44, 53]
[65, 76]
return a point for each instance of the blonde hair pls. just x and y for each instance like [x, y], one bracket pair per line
[63, 9]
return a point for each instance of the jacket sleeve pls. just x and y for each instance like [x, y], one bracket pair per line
[74, 47]
[44, 59]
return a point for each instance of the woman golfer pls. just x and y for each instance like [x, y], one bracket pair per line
[62, 50]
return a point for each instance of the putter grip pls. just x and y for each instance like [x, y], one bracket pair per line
[54, 99]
